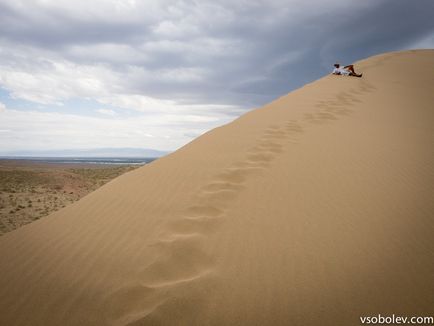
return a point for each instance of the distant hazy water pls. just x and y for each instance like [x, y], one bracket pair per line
[85, 160]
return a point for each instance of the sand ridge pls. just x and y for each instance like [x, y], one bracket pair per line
[311, 210]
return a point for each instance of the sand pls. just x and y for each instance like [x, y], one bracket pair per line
[313, 210]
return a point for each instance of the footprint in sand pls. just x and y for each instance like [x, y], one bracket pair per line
[219, 193]
[260, 157]
[192, 225]
[330, 110]
[236, 175]
[180, 262]
[293, 127]
[218, 186]
[129, 303]
[181, 259]
[274, 134]
[268, 147]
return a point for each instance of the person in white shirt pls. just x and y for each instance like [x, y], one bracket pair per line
[345, 71]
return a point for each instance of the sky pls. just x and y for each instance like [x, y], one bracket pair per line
[158, 73]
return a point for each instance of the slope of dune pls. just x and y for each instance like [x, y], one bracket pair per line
[313, 210]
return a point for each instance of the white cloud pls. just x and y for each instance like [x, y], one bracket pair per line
[23, 130]
[50, 81]
[44, 78]
[107, 112]
[137, 102]
[2, 107]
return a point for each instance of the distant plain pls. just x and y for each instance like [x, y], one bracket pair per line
[30, 190]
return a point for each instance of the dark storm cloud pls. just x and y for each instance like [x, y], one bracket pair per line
[53, 29]
[317, 39]
[345, 35]
[243, 54]
[391, 25]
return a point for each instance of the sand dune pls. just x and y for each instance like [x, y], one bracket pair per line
[313, 210]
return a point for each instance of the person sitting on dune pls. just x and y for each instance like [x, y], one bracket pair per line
[345, 71]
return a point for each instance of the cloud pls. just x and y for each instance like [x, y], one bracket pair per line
[242, 54]
[50, 81]
[188, 61]
[2, 107]
[43, 130]
[107, 112]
